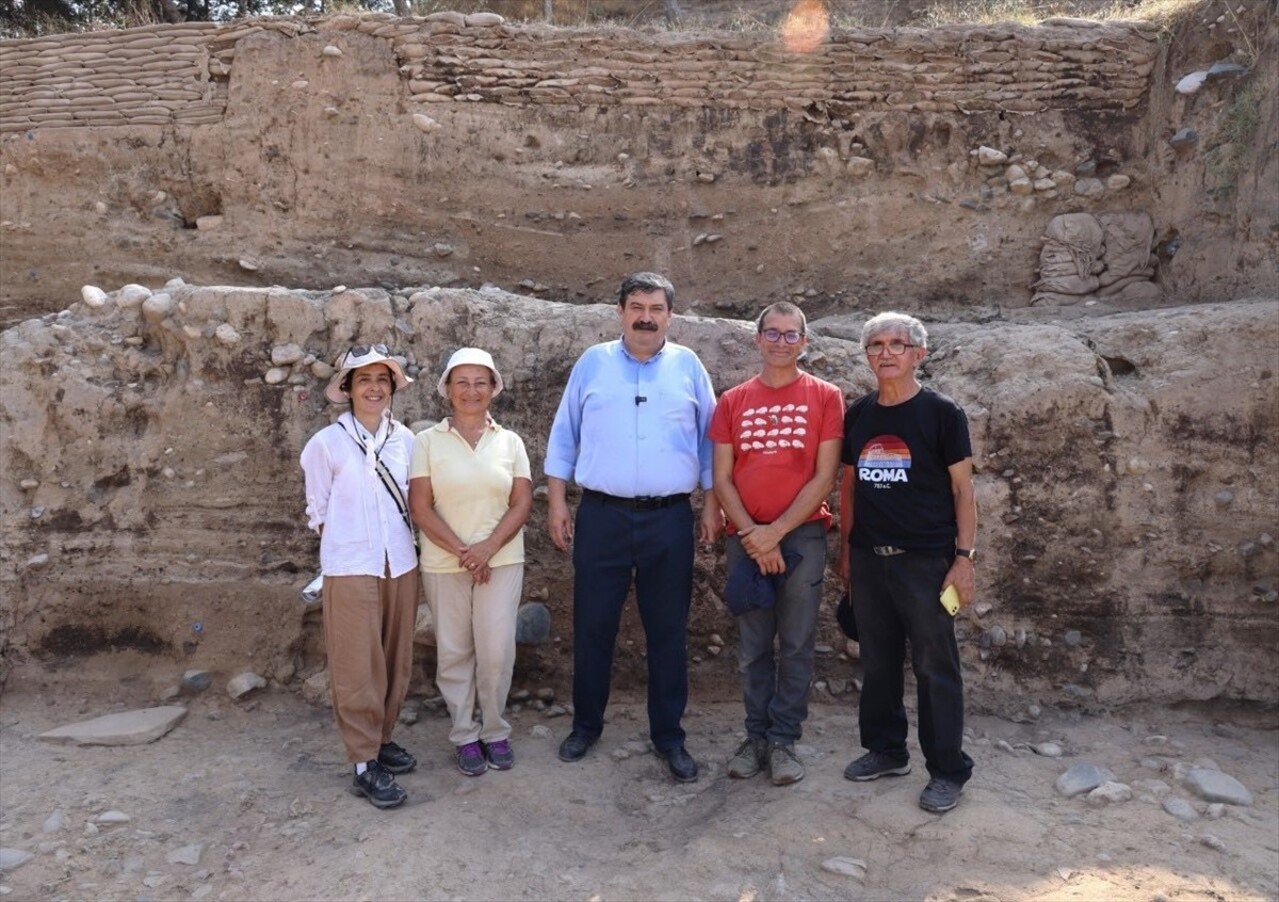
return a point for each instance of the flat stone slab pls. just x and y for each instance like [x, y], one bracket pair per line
[846, 867]
[1214, 786]
[185, 855]
[13, 858]
[126, 728]
[1084, 777]
[1181, 809]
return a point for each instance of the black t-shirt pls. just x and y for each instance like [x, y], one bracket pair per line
[899, 456]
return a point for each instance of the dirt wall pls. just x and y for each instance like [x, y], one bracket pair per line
[149, 491]
[152, 499]
[463, 150]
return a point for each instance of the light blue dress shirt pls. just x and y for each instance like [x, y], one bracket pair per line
[634, 428]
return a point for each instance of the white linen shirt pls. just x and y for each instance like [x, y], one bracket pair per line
[363, 529]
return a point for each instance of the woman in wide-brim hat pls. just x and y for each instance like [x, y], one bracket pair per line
[470, 493]
[356, 473]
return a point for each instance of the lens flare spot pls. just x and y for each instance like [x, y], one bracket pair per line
[806, 26]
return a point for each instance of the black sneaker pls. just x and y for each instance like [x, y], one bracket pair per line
[394, 759]
[873, 765]
[379, 787]
[940, 795]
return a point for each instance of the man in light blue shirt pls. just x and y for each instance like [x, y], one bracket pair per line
[631, 429]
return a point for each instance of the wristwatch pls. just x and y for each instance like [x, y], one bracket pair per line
[970, 553]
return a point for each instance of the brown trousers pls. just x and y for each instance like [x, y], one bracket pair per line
[368, 634]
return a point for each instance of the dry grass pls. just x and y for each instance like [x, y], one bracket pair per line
[1028, 12]
[746, 16]
[1232, 139]
[1239, 124]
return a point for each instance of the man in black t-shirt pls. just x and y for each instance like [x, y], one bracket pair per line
[908, 522]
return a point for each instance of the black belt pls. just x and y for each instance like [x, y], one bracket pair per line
[887, 550]
[643, 503]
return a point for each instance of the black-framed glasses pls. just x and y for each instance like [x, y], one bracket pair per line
[896, 348]
[775, 335]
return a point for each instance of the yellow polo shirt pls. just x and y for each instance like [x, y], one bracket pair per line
[471, 487]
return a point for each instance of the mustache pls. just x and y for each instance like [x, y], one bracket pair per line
[645, 327]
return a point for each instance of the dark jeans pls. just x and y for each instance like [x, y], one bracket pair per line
[611, 545]
[895, 598]
[775, 688]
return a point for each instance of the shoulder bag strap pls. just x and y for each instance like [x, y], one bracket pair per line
[397, 495]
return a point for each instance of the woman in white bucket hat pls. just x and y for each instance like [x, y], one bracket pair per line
[356, 473]
[470, 492]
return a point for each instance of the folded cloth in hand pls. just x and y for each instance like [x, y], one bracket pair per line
[749, 589]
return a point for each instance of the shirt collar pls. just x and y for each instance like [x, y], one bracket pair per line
[621, 344]
[443, 425]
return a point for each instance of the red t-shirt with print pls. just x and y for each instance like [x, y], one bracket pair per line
[775, 433]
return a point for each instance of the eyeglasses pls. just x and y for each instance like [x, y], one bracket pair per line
[896, 348]
[775, 335]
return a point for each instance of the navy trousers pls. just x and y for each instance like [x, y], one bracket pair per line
[895, 598]
[613, 545]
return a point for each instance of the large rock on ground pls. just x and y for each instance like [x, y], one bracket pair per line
[125, 728]
[1214, 786]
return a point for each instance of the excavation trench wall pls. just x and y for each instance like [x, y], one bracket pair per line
[152, 498]
[478, 182]
[463, 150]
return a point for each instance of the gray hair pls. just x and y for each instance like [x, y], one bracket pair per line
[782, 308]
[888, 320]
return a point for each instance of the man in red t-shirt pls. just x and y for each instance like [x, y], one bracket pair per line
[777, 442]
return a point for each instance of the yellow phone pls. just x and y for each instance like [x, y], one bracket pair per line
[950, 600]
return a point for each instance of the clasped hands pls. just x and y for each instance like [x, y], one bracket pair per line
[763, 544]
[475, 560]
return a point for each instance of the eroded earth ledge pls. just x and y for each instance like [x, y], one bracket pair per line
[1124, 476]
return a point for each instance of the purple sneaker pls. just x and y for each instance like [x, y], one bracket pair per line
[499, 754]
[470, 759]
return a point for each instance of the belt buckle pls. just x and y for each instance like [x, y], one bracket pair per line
[887, 550]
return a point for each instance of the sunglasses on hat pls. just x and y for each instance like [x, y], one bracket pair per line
[348, 359]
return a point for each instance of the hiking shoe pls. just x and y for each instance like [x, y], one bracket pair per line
[378, 786]
[749, 759]
[470, 759]
[940, 795]
[873, 765]
[394, 759]
[784, 766]
[499, 755]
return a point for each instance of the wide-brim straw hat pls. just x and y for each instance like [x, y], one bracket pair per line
[473, 356]
[357, 358]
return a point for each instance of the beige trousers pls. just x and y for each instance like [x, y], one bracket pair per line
[475, 647]
[368, 634]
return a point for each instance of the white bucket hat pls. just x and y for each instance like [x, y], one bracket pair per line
[359, 357]
[473, 356]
